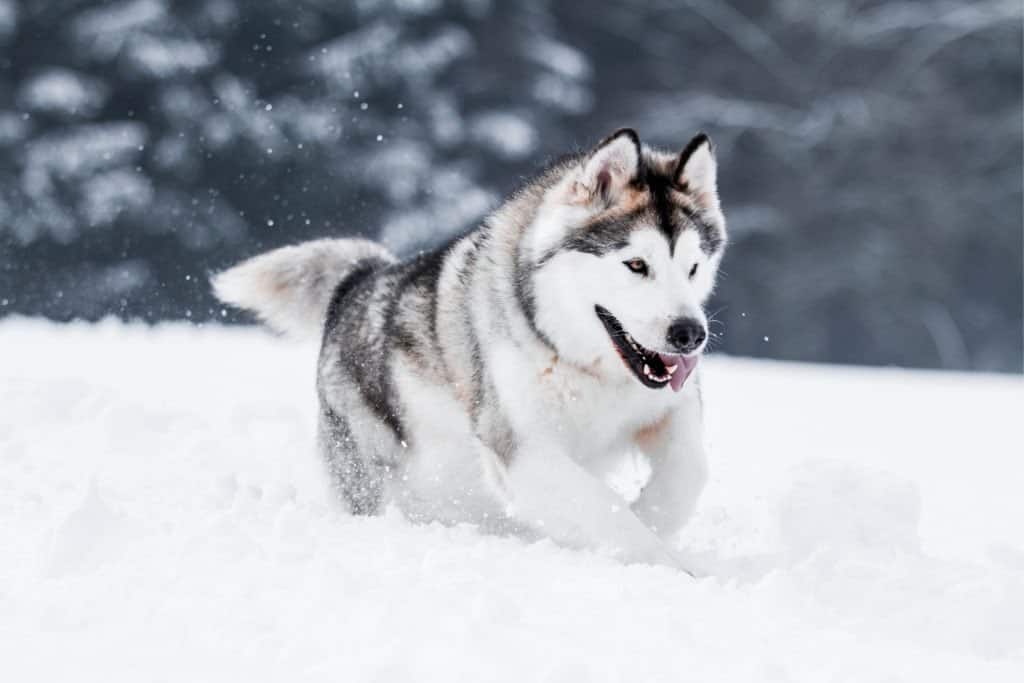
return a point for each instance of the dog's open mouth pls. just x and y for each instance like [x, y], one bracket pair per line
[653, 369]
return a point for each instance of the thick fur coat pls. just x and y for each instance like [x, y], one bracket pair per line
[499, 378]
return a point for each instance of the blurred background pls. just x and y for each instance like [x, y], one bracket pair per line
[870, 150]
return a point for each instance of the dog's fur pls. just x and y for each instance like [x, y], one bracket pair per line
[503, 375]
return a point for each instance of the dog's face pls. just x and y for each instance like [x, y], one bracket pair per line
[625, 249]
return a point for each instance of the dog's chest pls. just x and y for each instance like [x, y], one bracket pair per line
[589, 413]
[552, 403]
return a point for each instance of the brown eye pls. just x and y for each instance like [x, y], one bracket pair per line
[693, 271]
[638, 266]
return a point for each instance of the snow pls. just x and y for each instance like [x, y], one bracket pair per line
[162, 57]
[510, 135]
[103, 31]
[106, 194]
[8, 19]
[380, 51]
[80, 152]
[559, 57]
[163, 516]
[64, 92]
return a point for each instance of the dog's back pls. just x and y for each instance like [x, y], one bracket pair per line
[365, 305]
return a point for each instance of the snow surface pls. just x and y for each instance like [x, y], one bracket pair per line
[163, 516]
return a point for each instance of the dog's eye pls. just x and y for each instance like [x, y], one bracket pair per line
[693, 271]
[637, 265]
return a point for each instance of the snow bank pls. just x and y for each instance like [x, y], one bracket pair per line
[163, 516]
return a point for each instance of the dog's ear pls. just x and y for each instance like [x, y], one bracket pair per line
[696, 169]
[612, 165]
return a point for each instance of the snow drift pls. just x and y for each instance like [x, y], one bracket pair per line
[163, 516]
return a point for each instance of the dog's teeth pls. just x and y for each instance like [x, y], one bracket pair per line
[647, 369]
[672, 368]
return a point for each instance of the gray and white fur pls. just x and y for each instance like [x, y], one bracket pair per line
[499, 378]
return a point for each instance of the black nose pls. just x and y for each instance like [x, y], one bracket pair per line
[685, 335]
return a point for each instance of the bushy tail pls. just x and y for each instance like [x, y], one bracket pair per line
[290, 288]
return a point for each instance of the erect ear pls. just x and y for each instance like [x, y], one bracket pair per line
[612, 165]
[696, 170]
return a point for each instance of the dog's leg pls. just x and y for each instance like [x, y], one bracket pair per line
[550, 492]
[678, 470]
[359, 481]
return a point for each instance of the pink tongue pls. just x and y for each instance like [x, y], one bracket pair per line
[682, 373]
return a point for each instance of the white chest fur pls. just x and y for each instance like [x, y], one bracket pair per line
[580, 410]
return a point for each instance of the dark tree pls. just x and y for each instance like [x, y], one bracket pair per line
[870, 151]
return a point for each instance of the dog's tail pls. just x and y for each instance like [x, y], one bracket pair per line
[290, 288]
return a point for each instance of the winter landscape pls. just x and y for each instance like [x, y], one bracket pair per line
[164, 516]
[870, 151]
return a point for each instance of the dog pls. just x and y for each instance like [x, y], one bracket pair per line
[500, 378]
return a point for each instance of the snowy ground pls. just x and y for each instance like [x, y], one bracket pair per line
[163, 517]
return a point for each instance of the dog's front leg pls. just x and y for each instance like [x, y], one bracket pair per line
[678, 470]
[549, 491]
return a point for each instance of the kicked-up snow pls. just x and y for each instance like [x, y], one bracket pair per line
[164, 516]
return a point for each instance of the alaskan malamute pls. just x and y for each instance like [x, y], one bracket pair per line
[501, 377]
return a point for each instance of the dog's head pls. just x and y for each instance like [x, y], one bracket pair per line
[624, 251]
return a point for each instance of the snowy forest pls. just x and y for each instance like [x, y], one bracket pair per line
[870, 151]
[173, 500]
